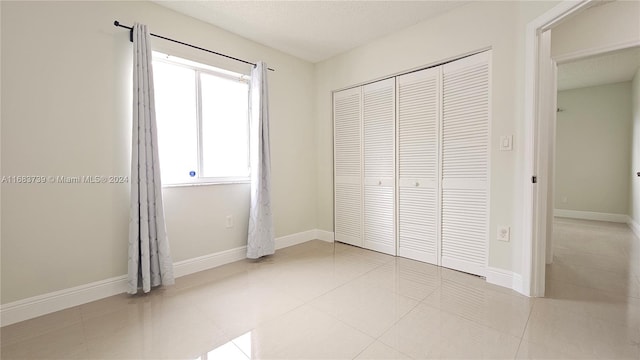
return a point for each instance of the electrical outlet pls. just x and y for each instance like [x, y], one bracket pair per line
[504, 233]
[229, 221]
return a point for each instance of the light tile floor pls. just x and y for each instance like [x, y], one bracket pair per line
[324, 301]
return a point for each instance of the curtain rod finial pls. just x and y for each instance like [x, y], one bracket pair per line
[116, 23]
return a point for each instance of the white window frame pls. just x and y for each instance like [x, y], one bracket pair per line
[198, 69]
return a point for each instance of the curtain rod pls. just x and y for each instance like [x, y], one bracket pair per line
[117, 24]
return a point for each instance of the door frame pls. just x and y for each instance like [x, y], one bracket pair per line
[539, 138]
[539, 81]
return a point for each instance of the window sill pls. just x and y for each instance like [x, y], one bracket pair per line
[209, 183]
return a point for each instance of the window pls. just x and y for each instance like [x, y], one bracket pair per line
[203, 122]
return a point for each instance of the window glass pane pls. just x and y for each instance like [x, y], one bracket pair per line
[175, 95]
[225, 127]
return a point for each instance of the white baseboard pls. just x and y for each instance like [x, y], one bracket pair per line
[504, 278]
[206, 262]
[517, 283]
[499, 277]
[634, 226]
[58, 300]
[39, 305]
[324, 235]
[590, 215]
[295, 239]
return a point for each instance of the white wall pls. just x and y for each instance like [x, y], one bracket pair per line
[599, 27]
[593, 149]
[475, 26]
[66, 90]
[634, 205]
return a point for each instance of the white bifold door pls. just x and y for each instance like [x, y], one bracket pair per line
[379, 116]
[415, 149]
[465, 164]
[418, 124]
[347, 115]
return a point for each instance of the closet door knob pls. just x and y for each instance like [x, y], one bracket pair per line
[379, 182]
[417, 183]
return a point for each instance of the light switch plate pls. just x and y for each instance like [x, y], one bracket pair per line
[506, 143]
[504, 233]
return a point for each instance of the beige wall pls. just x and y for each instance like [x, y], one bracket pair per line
[634, 205]
[478, 25]
[599, 27]
[593, 149]
[66, 90]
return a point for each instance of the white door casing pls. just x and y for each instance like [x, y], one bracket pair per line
[537, 80]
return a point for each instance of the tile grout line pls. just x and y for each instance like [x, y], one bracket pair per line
[524, 330]
[85, 340]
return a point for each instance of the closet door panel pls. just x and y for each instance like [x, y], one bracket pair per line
[348, 201]
[465, 164]
[379, 219]
[379, 166]
[417, 234]
[348, 213]
[418, 158]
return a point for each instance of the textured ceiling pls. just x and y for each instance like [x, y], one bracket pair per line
[312, 30]
[610, 68]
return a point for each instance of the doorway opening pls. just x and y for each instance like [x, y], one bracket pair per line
[589, 245]
[540, 110]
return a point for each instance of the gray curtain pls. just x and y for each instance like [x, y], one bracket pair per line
[261, 239]
[149, 259]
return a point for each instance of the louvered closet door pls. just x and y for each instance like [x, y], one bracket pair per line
[465, 164]
[379, 166]
[347, 115]
[418, 142]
